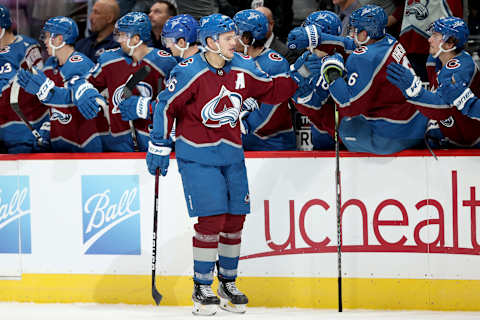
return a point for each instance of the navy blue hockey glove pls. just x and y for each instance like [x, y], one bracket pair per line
[45, 135]
[456, 94]
[135, 107]
[404, 79]
[304, 37]
[88, 100]
[37, 83]
[306, 66]
[158, 156]
[332, 68]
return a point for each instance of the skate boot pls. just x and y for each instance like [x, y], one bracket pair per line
[231, 299]
[205, 302]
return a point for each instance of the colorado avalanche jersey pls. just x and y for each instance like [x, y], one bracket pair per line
[270, 127]
[112, 71]
[24, 53]
[367, 93]
[458, 128]
[70, 131]
[206, 103]
[419, 15]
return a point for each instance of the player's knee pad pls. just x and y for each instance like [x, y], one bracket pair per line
[207, 231]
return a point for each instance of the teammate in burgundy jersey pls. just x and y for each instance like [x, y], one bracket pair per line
[114, 69]
[372, 121]
[204, 94]
[18, 51]
[451, 125]
[63, 87]
[269, 127]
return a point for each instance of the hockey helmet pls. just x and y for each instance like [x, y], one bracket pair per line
[252, 21]
[135, 23]
[370, 18]
[451, 27]
[62, 26]
[213, 25]
[326, 21]
[182, 26]
[5, 20]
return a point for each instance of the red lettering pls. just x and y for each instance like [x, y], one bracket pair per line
[363, 211]
[301, 223]
[473, 203]
[377, 223]
[440, 222]
[291, 236]
[455, 208]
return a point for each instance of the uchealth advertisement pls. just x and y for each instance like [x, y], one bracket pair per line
[402, 217]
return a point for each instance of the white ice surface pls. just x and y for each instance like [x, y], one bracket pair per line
[80, 311]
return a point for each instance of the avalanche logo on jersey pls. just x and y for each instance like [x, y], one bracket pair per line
[222, 109]
[145, 90]
[15, 234]
[111, 214]
[63, 118]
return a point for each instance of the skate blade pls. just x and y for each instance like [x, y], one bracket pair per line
[230, 307]
[204, 309]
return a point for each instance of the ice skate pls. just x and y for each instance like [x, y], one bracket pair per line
[205, 302]
[231, 299]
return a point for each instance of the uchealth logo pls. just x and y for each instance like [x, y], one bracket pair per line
[15, 233]
[111, 214]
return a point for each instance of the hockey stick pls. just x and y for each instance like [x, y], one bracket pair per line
[14, 92]
[338, 190]
[138, 76]
[155, 294]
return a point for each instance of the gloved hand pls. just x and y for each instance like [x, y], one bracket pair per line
[135, 107]
[332, 68]
[158, 155]
[250, 105]
[88, 100]
[45, 135]
[37, 83]
[404, 79]
[306, 66]
[304, 37]
[457, 94]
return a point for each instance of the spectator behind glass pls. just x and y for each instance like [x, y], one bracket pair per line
[273, 42]
[344, 9]
[160, 12]
[102, 23]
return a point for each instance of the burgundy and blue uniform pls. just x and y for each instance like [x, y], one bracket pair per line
[112, 72]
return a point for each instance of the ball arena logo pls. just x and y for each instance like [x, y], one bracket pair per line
[111, 214]
[15, 234]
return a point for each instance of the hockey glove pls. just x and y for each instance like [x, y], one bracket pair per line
[135, 107]
[158, 156]
[305, 67]
[88, 100]
[37, 84]
[332, 68]
[45, 135]
[456, 94]
[404, 79]
[250, 105]
[304, 37]
[242, 119]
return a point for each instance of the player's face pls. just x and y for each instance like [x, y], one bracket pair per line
[239, 46]
[227, 42]
[56, 41]
[158, 15]
[174, 47]
[435, 41]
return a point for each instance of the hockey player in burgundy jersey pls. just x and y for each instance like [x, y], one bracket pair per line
[113, 70]
[179, 34]
[372, 121]
[312, 100]
[269, 127]
[18, 51]
[63, 87]
[204, 94]
[451, 124]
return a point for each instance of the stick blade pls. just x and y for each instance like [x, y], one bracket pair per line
[156, 295]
